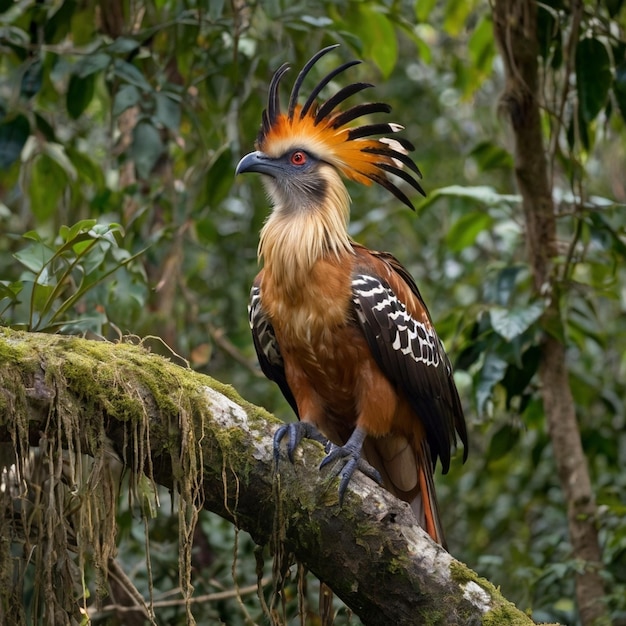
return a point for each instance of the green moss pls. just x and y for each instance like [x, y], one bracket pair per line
[506, 614]
[460, 573]
[398, 565]
[14, 351]
[102, 385]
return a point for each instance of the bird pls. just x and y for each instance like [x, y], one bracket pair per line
[341, 329]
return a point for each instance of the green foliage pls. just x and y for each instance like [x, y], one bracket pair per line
[57, 278]
[126, 122]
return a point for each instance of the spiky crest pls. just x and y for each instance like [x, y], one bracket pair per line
[320, 129]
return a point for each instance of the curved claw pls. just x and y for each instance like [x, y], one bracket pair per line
[296, 432]
[350, 459]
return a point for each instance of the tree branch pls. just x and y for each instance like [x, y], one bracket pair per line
[370, 552]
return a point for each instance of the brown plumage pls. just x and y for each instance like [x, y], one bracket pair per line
[341, 329]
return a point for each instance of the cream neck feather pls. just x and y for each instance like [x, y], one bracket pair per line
[296, 236]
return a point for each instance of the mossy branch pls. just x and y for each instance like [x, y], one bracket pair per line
[189, 432]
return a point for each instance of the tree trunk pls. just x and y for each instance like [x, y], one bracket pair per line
[186, 430]
[515, 31]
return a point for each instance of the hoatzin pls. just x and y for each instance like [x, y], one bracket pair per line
[341, 329]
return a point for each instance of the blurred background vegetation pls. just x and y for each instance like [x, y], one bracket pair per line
[121, 123]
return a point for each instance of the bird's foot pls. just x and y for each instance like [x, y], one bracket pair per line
[349, 459]
[295, 433]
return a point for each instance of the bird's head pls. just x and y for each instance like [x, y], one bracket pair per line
[303, 151]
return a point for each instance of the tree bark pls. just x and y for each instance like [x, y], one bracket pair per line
[167, 420]
[515, 31]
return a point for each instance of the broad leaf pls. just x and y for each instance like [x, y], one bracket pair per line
[502, 442]
[466, 229]
[619, 88]
[127, 96]
[375, 27]
[491, 373]
[79, 94]
[47, 182]
[146, 149]
[423, 9]
[490, 156]
[593, 77]
[167, 110]
[130, 74]
[13, 136]
[511, 323]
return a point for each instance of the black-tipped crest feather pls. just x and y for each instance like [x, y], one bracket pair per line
[367, 130]
[293, 98]
[405, 176]
[394, 154]
[311, 99]
[391, 149]
[359, 110]
[383, 181]
[273, 100]
[344, 93]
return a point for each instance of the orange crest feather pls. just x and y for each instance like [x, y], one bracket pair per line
[326, 134]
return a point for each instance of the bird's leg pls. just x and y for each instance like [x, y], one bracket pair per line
[350, 459]
[295, 433]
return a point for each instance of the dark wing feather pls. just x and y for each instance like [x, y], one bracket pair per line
[410, 353]
[266, 346]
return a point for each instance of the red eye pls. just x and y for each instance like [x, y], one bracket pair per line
[298, 158]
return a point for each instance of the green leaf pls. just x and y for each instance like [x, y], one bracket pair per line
[57, 153]
[219, 179]
[601, 225]
[613, 7]
[502, 288]
[130, 74]
[47, 182]
[85, 23]
[123, 45]
[378, 36]
[456, 14]
[35, 256]
[10, 290]
[68, 233]
[44, 127]
[167, 110]
[510, 323]
[92, 64]
[423, 9]
[86, 168]
[619, 88]
[491, 373]
[489, 156]
[464, 231]
[502, 442]
[481, 45]
[518, 377]
[549, 35]
[593, 77]
[127, 96]
[482, 194]
[32, 79]
[79, 94]
[58, 21]
[13, 136]
[146, 149]
[215, 9]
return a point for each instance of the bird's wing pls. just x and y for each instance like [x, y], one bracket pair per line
[400, 334]
[266, 346]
